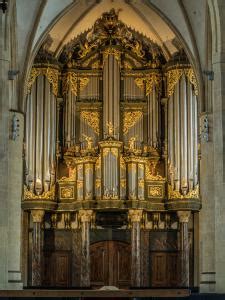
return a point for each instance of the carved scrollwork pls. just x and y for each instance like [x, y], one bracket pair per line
[92, 118]
[111, 51]
[52, 74]
[148, 82]
[71, 81]
[130, 119]
[48, 195]
[193, 194]
[174, 75]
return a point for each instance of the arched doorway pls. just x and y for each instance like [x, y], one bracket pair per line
[110, 264]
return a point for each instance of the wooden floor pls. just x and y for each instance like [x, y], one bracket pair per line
[96, 294]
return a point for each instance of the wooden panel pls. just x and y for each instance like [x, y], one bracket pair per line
[164, 269]
[158, 270]
[172, 269]
[110, 264]
[122, 265]
[47, 270]
[62, 269]
[56, 269]
[99, 263]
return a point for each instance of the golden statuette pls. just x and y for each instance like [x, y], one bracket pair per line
[89, 141]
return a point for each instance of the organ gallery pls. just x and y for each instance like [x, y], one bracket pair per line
[111, 160]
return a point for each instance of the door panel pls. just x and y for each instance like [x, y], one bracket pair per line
[122, 264]
[57, 269]
[99, 261]
[164, 269]
[172, 269]
[110, 264]
[62, 269]
[158, 271]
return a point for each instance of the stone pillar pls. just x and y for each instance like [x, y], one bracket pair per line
[37, 216]
[4, 144]
[184, 248]
[85, 217]
[15, 152]
[135, 217]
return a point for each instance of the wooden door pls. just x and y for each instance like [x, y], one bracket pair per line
[164, 269]
[110, 264]
[56, 270]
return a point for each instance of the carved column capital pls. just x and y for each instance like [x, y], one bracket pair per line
[37, 215]
[85, 215]
[135, 215]
[183, 216]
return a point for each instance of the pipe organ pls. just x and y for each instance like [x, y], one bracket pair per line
[111, 126]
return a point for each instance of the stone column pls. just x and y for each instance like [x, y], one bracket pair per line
[4, 144]
[135, 217]
[85, 217]
[37, 216]
[184, 247]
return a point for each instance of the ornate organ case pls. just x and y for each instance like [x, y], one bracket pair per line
[110, 126]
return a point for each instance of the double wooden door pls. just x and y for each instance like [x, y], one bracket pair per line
[164, 269]
[110, 264]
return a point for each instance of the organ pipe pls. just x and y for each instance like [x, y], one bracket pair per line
[111, 94]
[69, 119]
[182, 135]
[153, 110]
[40, 136]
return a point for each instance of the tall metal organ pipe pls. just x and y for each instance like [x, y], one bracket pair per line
[70, 119]
[153, 109]
[40, 136]
[111, 94]
[182, 136]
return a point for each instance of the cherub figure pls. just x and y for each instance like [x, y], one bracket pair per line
[110, 128]
[131, 143]
[89, 141]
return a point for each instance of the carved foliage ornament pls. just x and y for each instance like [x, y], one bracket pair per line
[67, 192]
[173, 76]
[49, 195]
[37, 215]
[130, 119]
[149, 81]
[155, 191]
[109, 30]
[194, 194]
[135, 215]
[51, 74]
[92, 118]
[111, 51]
[71, 81]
